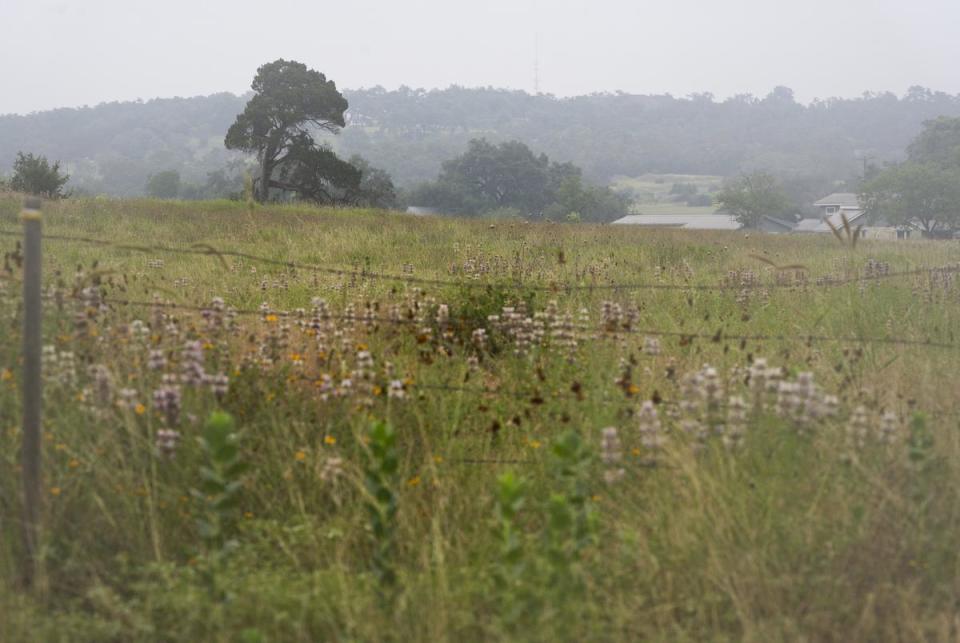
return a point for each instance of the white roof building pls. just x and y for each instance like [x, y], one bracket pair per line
[682, 221]
[833, 209]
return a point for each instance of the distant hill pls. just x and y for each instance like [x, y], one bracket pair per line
[114, 147]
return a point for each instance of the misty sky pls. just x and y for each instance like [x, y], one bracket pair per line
[64, 53]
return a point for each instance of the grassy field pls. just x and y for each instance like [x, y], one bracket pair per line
[513, 448]
[649, 191]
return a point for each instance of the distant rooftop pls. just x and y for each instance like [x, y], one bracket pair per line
[682, 221]
[421, 211]
[854, 218]
[839, 199]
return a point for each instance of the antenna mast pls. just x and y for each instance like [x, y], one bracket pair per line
[536, 64]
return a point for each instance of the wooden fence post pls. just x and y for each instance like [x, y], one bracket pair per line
[32, 385]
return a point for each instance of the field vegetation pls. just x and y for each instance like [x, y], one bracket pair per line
[407, 428]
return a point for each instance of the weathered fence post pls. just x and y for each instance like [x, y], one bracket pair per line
[32, 384]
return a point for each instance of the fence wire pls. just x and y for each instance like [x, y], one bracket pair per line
[202, 249]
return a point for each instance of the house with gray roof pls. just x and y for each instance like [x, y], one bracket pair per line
[834, 208]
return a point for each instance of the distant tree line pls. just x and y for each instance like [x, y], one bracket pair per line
[115, 148]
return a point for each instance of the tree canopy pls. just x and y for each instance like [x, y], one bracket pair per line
[164, 185]
[290, 104]
[924, 191]
[510, 177]
[924, 195]
[750, 197]
[35, 175]
[938, 142]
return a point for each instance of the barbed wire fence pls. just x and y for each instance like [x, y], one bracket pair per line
[204, 249]
[32, 341]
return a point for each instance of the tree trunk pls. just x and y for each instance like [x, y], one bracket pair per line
[266, 169]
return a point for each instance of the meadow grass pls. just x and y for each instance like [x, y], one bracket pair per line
[416, 470]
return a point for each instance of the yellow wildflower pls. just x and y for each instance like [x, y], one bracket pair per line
[329, 440]
[300, 456]
[6, 375]
[55, 491]
[139, 409]
[271, 318]
[414, 481]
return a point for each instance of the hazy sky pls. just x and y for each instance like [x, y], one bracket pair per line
[60, 53]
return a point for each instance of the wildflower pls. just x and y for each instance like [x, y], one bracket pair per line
[127, 398]
[414, 481]
[611, 455]
[610, 446]
[191, 365]
[757, 374]
[858, 428]
[651, 346]
[300, 456]
[332, 469]
[808, 399]
[329, 440]
[102, 384]
[219, 385]
[650, 428]
[167, 440]
[166, 400]
[712, 392]
[55, 491]
[157, 360]
[443, 315]
[138, 330]
[889, 427]
[736, 422]
[479, 338]
[396, 390]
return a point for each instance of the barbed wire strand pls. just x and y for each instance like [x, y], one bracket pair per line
[210, 251]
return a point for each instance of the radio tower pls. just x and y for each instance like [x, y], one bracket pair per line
[536, 64]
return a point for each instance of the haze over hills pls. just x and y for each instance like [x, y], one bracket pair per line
[114, 148]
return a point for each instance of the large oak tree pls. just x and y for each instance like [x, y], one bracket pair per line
[291, 103]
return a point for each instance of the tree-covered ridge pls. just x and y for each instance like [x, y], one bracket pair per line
[115, 147]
